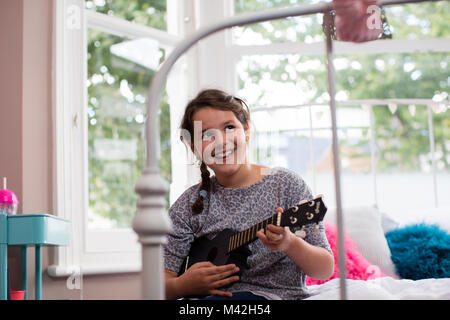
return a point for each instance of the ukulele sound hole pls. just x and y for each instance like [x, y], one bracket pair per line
[212, 254]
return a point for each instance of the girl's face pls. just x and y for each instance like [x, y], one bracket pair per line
[220, 140]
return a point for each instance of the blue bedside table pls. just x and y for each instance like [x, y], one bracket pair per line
[25, 230]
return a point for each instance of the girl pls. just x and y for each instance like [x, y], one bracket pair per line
[238, 196]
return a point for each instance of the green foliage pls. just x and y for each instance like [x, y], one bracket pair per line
[415, 21]
[281, 30]
[148, 12]
[402, 138]
[118, 117]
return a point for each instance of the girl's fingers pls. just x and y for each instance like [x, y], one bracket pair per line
[224, 274]
[205, 277]
[266, 238]
[274, 233]
[221, 293]
[220, 269]
[225, 282]
[275, 229]
[260, 234]
[203, 264]
[273, 237]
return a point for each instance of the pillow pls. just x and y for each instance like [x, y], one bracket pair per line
[420, 251]
[388, 223]
[414, 215]
[363, 226]
[358, 268]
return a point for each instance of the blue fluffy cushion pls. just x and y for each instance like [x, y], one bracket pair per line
[420, 251]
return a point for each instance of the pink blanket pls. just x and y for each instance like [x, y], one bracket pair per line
[358, 268]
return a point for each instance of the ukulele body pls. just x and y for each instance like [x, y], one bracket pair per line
[216, 251]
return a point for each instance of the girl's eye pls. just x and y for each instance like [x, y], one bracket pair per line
[230, 127]
[207, 135]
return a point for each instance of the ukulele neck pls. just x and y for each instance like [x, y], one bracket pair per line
[241, 238]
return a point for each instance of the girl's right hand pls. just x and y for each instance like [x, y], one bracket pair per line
[203, 278]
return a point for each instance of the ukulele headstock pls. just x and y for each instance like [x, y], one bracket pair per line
[305, 212]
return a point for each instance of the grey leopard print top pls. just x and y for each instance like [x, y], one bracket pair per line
[271, 274]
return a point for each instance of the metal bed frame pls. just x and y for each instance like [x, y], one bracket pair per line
[151, 222]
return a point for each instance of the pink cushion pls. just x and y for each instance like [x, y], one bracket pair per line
[358, 268]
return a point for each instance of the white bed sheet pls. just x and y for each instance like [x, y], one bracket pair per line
[385, 288]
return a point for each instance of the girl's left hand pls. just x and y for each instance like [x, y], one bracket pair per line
[276, 238]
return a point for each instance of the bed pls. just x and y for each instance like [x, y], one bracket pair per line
[391, 256]
[385, 288]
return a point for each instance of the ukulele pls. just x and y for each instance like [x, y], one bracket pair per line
[229, 246]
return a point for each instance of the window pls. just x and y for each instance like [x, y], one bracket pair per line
[99, 134]
[281, 72]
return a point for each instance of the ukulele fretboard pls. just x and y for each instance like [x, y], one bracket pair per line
[249, 235]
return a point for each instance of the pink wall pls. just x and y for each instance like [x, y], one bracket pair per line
[36, 106]
[11, 28]
[26, 136]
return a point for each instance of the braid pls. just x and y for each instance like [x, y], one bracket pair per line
[197, 206]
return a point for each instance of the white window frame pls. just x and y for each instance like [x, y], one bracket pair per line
[90, 251]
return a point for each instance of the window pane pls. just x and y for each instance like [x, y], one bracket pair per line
[402, 138]
[288, 140]
[150, 13]
[404, 156]
[306, 29]
[119, 72]
[420, 20]
[402, 131]
[274, 80]
[413, 75]
[282, 136]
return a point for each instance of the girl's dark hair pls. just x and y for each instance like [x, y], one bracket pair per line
[217, 99]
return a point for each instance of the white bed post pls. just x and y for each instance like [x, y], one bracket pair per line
[152, 224]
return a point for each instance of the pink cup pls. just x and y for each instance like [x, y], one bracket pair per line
[8, 200]
[17, 294]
